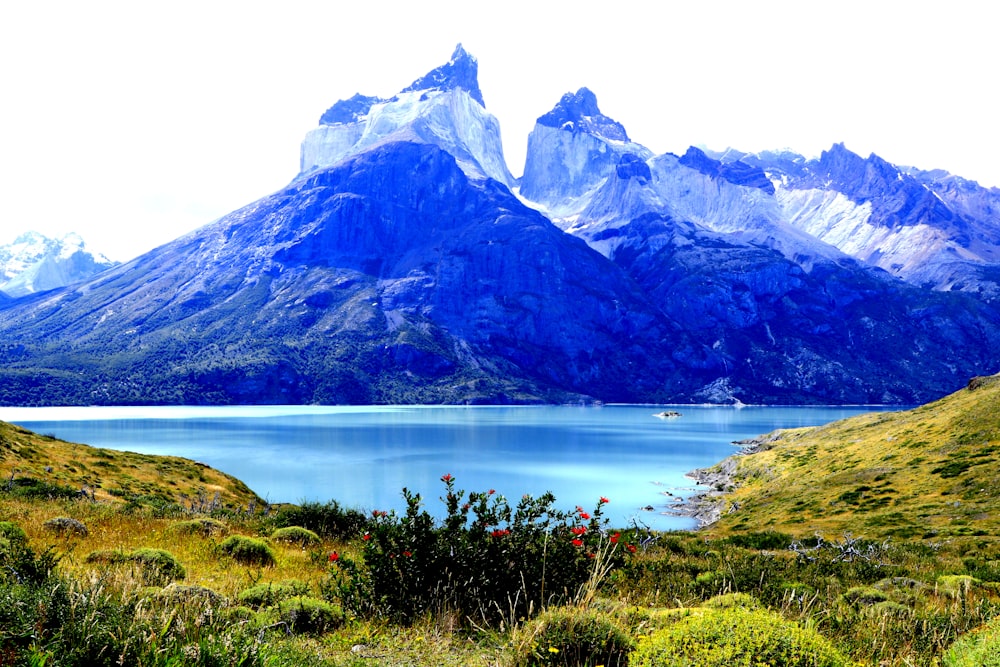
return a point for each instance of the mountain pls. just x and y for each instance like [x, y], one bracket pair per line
[403, 264]
[35, 263]
[927, 227]
[444, 108]
[391, 277]
[794, 317]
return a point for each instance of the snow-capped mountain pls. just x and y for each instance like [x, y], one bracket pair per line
[35, 263]
[444, 108]
[403, 264]
[928, 228]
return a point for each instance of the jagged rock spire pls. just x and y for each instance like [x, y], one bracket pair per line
[579, 112]
[462, 71]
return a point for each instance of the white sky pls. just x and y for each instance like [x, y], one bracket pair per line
[135, 122]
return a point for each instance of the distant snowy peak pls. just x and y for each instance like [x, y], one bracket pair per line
[578, 112]
[35, 263]
[444, 108]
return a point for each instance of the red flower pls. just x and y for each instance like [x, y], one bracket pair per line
[614, 538]
[577, 542]
[491, 491]
[407, 553]
[590, 555]
[604, 500]
[334, 556]
[500, 532]
[579, 508]
[446, 477]
[366, 537]
[584, 515]
[631, 548]
[579, 530]
[378, 513]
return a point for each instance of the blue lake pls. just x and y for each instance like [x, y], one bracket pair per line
[364, 456]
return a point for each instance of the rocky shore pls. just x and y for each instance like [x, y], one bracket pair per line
[719, 480]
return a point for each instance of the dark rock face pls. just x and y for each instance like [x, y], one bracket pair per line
[737, 172]
[462, 71]
[349, 110]
[578, 112]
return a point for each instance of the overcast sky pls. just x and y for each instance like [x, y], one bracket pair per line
[135, 122]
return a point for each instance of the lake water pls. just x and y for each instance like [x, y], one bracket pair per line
[364, 456]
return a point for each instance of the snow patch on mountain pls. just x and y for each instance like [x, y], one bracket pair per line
[443, 108]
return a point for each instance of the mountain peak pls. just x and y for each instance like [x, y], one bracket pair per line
[462, 71]
[578, 112]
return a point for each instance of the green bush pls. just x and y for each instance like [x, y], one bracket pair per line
[10, 532]
[158, 566]
[569, 637]
[326, 519]
[735, 638]
[308, 615]
[979, 648]
[248, 551]
[297, 535]
[731, 600]
[265, 595]
[486, 561]
[205, 527]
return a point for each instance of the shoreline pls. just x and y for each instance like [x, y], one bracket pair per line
[706, 507]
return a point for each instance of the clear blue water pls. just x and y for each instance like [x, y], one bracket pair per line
[363, 456]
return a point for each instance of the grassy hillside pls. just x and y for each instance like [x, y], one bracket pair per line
[151, 569]
[930, 473]
[43, 466]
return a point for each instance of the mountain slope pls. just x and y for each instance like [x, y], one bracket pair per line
[931, 472]
[389, 278]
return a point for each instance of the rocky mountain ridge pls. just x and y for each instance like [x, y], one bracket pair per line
[404, 264]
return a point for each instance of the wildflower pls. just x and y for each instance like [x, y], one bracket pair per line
[553, 649]
[491, 491]
[615, 537]
[631, 548]
[584, 515]
[579, 530]
[590, 554]
[366, 537]
[334, 556]
[604, 500]
[446, 477]
[466, 506]
[579, 508]
[577, 542]
[407, 553]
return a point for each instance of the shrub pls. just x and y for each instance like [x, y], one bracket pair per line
[158, 566]
[10, 532]
[66, 526]
[730, 637]
[31, 488]
[248, 551]
[979, 648]
[863, 596]
[177, 594]
[570, 637]
[307, 615]
[302, 537]
[327, 519]
[486, 561]
[731, 600]
[265, 595]
[205, 527]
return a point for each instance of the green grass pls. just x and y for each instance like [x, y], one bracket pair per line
[883, 561]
